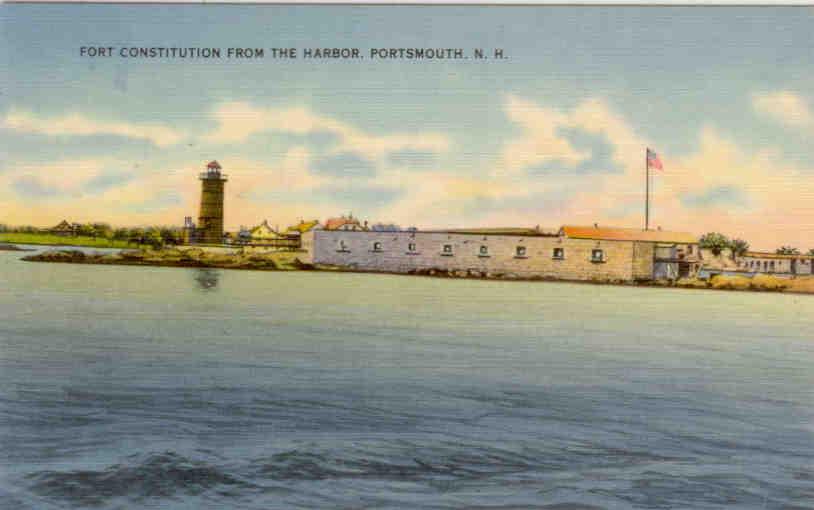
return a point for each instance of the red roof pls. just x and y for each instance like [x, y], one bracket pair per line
[627, 234]
[213, 165]
[336, 223]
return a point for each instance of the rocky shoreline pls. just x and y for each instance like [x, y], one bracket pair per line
[290, 261]
[193, 257]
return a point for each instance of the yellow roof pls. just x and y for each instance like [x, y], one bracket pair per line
[627, 234]
[303, 226]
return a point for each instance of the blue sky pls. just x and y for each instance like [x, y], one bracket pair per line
[553, 134]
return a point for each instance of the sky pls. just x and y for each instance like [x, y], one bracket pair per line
[554, 133]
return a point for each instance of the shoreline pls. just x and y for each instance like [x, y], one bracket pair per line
[289, 261]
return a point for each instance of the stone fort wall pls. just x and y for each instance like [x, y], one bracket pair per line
[403, 252]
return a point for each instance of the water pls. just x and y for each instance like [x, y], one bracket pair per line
[134, 387]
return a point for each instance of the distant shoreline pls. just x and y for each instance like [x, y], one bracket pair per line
[290, 261]
[13, 247]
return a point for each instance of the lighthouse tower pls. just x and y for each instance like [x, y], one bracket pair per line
[210, 219]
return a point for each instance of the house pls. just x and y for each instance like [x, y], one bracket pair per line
[300, 228]
[345, 223]
[65, 229]
[264, 232]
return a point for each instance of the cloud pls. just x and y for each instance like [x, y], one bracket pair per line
[412, 158]
[29, 186]
[597, 145]
[75, 124]
[107, 180]
[590, 133]
[237, 121]
[714, 196]
[785, 107]
[346, 164]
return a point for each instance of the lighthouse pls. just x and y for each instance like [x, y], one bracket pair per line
[210, 219]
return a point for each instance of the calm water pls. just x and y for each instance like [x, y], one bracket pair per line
[128, 387]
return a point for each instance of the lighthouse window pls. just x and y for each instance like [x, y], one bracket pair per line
[520, 252]
[342, 246]
[446, 250]
[377, 246]
[411, 247]
[597, 255]
[484, 251]
[559, 253]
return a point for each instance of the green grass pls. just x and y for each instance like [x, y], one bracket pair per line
[99, 242]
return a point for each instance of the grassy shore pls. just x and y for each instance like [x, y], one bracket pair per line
[55, 240]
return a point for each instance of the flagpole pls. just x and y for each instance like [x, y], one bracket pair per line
[646, 191]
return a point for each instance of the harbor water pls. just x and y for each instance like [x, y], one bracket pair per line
[145, 387]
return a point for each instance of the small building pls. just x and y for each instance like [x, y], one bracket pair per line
[300, 228]
[345, 223]
[775, 263]
[385, 227]
[263, 232]
[188, 232]
[65, 229]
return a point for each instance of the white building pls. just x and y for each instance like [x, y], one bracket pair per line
[762, 262]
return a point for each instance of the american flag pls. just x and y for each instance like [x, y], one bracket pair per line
[653, 160]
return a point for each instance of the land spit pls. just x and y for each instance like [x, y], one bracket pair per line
[12, 247]
[290, 261]
[172, 257]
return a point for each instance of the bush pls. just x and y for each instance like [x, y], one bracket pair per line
[768, 282]
[730, 282]
[714, 242]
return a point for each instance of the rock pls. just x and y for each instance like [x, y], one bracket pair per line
[133, 254]
[58, 256]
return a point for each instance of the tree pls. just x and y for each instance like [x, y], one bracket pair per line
[121, 234]
[787, 250]
[739, 247]
[102, 230]
[170, 235]
[714, 242]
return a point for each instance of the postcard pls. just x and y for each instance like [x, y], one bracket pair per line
[327, 256]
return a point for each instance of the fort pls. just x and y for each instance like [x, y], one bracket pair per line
[570, 253]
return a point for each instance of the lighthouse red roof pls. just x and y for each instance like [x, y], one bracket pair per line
[213, 165]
